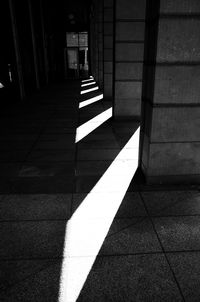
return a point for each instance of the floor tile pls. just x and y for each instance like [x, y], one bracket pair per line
[103, 154]
[10, 156]
[5, 185]
[2, 197]
[131, 206]
[18, 137]
[18, 145]
[57, 123]
[12, 272]
[169, 203]
[130, 236]
[51, 155]
[127, 126]
[60, 130]
[9, 169]
[130, 278]
[186, 267]
[77, 199]
[92, 167]
[57, 137]
[85, 183]
[94, 136]
[34, 169]
[39, 185]
[87, 113]
[41, 283]
[35, 207]
[123, 139]
[98, 144]
[179, 233]
[55, 145]
[17, 129]
[32, 239]
[104, 128]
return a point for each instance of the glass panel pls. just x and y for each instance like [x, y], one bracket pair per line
[72, 39]
[72, 59]
[83, 39]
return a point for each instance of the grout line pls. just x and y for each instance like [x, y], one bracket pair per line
[139, 220]
[98, 256]
[162, 247]
[9, 287]
[75, 157]
[174, 215]
[34, 220]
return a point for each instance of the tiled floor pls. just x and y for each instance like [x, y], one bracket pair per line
[152, 250]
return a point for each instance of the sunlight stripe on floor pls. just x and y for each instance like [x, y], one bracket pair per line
[89, 90]
[91, 101]
[92, 124]
[88, 84]
[89, 225]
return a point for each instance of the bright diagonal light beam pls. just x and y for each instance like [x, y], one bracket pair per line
[89, 90]
[1, 85]
[90, 101]
[89, 225]
[88, 80]
[92, 124]
[88, 84]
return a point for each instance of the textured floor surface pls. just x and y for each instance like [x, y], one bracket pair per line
[152, 249]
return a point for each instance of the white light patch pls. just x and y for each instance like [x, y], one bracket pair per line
[88, 80]
[92, 124]
[91, 77]
[88, 84]
[90, 101]
[1, 85]
[89, 225]
[89, 90]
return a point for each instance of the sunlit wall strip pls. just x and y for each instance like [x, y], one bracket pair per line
[89, 225]
[89, 90]
[92, 124]
[91, 101]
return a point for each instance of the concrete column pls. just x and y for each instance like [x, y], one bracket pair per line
[92, 42]
[96, 37]
[129, 47]
[94, 47]
[34, 45]
[17, 50]
[44, 43]
[170, 141]
[108, 30]
[100, 43]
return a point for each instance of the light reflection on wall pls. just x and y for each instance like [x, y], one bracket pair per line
[89, 225]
